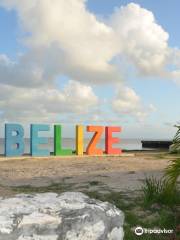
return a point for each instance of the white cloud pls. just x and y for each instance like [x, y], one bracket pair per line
[67, 23]
[144, 42]
[65, 38]
[27, 105]
[128, 103]
[69, 38]
[22, 74]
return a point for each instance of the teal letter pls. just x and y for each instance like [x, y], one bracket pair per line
[14, 142]
[36, 140]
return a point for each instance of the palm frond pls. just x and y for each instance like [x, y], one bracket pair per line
[175, 147]
[173, 171]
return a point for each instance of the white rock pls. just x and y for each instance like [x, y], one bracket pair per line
[6, 224]
[48, 216]
[87, 232]
[38, 237]
[116, 234]
[37, 218]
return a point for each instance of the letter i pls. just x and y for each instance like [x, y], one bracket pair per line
[79, 140]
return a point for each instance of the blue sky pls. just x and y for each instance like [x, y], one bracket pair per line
[9, 33]
[162, 93]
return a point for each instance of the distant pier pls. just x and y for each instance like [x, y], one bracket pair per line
[156, 144]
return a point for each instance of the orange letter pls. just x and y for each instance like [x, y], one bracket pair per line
[110, 140]
[91, 149]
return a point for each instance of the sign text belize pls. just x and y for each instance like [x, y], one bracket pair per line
[14, 140]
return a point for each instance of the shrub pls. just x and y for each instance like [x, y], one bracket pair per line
[159, 191]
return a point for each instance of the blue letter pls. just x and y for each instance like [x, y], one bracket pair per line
[14, 144]
[35, 140]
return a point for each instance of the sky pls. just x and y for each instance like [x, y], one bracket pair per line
[99, 62]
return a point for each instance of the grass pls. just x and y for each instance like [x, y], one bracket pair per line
[158, 191]
[94, 183]
[162, 155]
[164, 217]
[167, 197]
[166, 155]
[54, 187]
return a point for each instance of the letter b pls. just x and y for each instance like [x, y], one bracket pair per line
[14, 144]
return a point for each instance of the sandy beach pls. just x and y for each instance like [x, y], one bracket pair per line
[118, 173]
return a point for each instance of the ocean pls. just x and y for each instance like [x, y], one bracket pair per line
[125, 144]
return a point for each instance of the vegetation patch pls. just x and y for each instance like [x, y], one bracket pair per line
[160, 191]
[137, 214]
[94, 183]
[54, 187]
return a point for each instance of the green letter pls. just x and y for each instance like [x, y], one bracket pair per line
[58, 151]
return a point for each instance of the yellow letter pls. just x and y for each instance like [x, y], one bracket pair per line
[79, 140]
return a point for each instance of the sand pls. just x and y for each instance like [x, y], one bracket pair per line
[119, 173]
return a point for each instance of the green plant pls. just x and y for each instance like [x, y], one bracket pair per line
[151, 189]
[172, 172]
[165, 190]
[159, 191]
[175, 147]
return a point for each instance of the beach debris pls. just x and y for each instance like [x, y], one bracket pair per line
[48, 216]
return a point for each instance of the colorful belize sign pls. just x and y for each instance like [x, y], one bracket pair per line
[14, 140]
